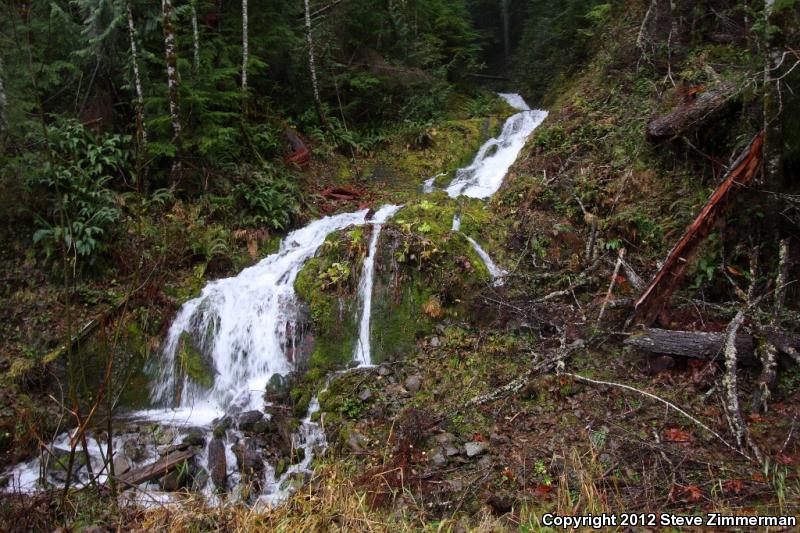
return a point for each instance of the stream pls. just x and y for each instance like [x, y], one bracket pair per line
[246, 329]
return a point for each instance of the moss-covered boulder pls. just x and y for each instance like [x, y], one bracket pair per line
[328, 285]
[425, 273]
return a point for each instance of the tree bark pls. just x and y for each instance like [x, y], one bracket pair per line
[506, 30]
[3, 115]
[690, 116]
[173, 76]
[196, 41]
[312, 65]
[707, 345]
[155, 470]
[660, 289]
[773, 131]
[141, 132]
[245, 46]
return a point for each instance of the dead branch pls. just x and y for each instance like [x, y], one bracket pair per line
[659, 291]
[729, 383]
[620, 258]
[659, 399]
[515, 385]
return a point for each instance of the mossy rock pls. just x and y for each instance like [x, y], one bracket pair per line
[193, 362]
[328, 284]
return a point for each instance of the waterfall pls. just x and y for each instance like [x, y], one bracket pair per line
[241, 331]
[483, 177]
[363, 349]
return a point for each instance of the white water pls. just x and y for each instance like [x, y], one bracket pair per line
[363, 353]
[483, 177]
[246, 328]
[496, 272]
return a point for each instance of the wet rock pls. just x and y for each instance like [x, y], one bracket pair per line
[59, 463]
[450, 450]
[435, 342]
[176, 479]
[278, 389]
[248, 460]
[164, 437]
[121, 464]
[218, 463]
[262, 426]
[195, 437]
[221, 427]
[356, 441]
[247, 420]
[445, 438]
[473, 449]
[413, 383]
[199, 480]
[365, 395]
[437, 457]
[384, 370]
[134, 450]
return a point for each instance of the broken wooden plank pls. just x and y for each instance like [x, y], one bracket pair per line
[659, 291]
[691, 115]
[705, 344]
[155, 470]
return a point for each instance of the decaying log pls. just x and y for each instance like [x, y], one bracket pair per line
[155, 470]
[706, 345]
[664, 283]
[690, 115]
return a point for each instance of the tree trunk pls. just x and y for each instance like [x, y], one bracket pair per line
[196, 40]
[245, 46]
[312, 65]
[707, 345]
[773, 134]
[3, 116]
[173, 76]
[141, 132]
[155, 470]
[506, 38]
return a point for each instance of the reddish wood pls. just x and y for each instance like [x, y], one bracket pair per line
[342, 193]
[701, 105]
[659, 291]
[299, 153]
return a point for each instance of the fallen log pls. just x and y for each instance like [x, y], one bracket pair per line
[659, 291]
[706, 345]
[691, 115]
[155, 470]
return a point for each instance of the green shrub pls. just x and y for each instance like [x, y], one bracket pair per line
[269, 197]
[79, 207]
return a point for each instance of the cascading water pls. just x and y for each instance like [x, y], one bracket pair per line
[483, 177]
[363, 350]
[244, 328]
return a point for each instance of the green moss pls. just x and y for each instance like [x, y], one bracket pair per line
[192, 362]
[328, 284]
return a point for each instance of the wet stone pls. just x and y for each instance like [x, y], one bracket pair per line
[249, 419]
[121, 464]
[413, 383]
[474, 449]
[217, 463]
[365, 395]
[134, 450]
[384, 370]
[195, 437]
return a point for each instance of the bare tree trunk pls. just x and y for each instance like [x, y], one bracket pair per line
[245, 46]
[3, 116]
[141, 132]
[773, 134]
[506, 38]
[312, 65]
[173, 76]
[196, 40]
